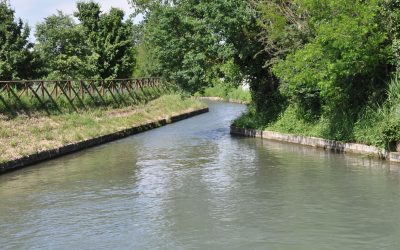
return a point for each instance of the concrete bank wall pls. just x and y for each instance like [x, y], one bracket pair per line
[71, 148]
[332, 145]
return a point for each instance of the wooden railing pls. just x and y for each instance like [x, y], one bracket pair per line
[75, 92]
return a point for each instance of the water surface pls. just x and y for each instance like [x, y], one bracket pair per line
[192, 185]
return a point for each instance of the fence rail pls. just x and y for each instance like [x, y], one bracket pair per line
[75, 92]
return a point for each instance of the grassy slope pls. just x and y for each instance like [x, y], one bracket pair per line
[24, 135]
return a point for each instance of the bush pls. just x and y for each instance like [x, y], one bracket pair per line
[379, 125]
[227, 92]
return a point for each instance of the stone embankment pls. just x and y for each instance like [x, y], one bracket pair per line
[332, 145]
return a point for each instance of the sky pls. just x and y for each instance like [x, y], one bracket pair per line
[34, 11]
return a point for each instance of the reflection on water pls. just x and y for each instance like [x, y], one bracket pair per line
[192, 185]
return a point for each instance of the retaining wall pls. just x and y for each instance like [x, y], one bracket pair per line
[332, 145]
[71, 148]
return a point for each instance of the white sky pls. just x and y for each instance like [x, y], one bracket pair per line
[34, 11]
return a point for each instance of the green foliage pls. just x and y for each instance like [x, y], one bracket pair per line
[100, 46]
[285, 27]
[252, 119]
[380, 124]
[376, 124]
[232, 74]
[227, 92]
[180, 43]
[110, 40]
[63, 49]
[331, 61]
[391, 15]
[146, 59]
[218, 90]
[16, 59]
[348, 44]
[239, 94]
[192, 41]
[315, 67]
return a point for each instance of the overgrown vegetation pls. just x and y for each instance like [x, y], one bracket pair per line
[376, 124]
[227, 93]
[323, 68]
[326, 68]
[333, 61]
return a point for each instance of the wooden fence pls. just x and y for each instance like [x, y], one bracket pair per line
[76, 92]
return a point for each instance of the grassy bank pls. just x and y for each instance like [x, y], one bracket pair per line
[23, 135]
[12, 106]
[376, 124]
[227, 93]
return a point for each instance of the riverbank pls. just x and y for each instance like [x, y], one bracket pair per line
[375, 122]
[336, 146]
[221, 92]
[192, 177]
[40, 137]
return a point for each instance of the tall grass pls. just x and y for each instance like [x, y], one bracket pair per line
[227, 92]
[380, 124]
[376, 124]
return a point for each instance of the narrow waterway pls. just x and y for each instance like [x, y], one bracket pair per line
[191, 185]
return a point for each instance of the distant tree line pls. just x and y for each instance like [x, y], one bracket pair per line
[100, 45]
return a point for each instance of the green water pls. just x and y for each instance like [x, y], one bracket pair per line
[191, 185]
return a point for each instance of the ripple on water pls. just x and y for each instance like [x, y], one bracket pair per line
[192, 185]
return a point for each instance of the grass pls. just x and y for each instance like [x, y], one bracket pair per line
[227, 93]
[377, 125]
[23, 135]
[26, 104]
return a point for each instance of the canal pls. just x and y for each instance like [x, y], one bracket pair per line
[192, 185]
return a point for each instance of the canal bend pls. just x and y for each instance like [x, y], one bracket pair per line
[193, 185]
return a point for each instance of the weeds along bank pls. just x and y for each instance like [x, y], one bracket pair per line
[24, 135]
[227, 93]
[332, 71]
[375, 123]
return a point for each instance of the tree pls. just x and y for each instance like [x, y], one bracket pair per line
[63, 48]
[146, 59]
[100, 46]
[345, 59]
[193, 41]
[16, 59]
[183, 45]
[391, 14]
[285, 27]
[110, 40]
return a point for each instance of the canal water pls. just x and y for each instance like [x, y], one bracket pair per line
[191, 185]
